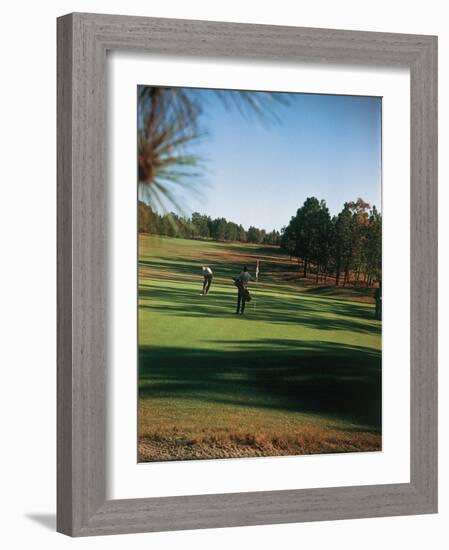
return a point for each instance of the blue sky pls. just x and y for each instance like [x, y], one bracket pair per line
[260, 173]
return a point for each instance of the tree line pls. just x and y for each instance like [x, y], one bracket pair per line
[341, 246]
[345, 246]
[200, 226]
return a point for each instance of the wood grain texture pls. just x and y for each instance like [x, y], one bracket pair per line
[83, 40]
[423, 275]
[64, 277]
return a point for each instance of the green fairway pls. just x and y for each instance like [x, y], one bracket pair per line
[299, 373]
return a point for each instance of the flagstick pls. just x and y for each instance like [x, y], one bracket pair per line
[257, 280]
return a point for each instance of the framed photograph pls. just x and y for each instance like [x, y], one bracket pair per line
[259, 324]
[247, 274]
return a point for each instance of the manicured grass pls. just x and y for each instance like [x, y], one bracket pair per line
[300, 372]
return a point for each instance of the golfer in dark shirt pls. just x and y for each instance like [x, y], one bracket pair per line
[243, 296]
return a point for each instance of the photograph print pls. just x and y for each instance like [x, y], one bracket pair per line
[259, 274]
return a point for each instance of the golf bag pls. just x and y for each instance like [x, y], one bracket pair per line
[244, 292]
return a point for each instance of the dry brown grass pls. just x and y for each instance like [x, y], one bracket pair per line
[170, 433]
[240, 444]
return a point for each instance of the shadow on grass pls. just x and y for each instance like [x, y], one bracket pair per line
[339, 381]
[310, 313]
[333, 290]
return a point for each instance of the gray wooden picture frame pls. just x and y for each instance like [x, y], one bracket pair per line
[83, 41]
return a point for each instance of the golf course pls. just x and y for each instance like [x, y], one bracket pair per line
[298, 373]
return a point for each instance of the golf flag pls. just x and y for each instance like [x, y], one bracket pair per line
[257, 270]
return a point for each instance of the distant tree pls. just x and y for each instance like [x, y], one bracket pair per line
[253, 234]
[374, 246]
[202, 224]
[273, 237]
[218, 231]
[241, 234]
[148, 220]
[143, 217]
[343, 248]
[320, 252]
[166, 226]
[232, 231]
[288, 239]
[309, 230]
[360, 215]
